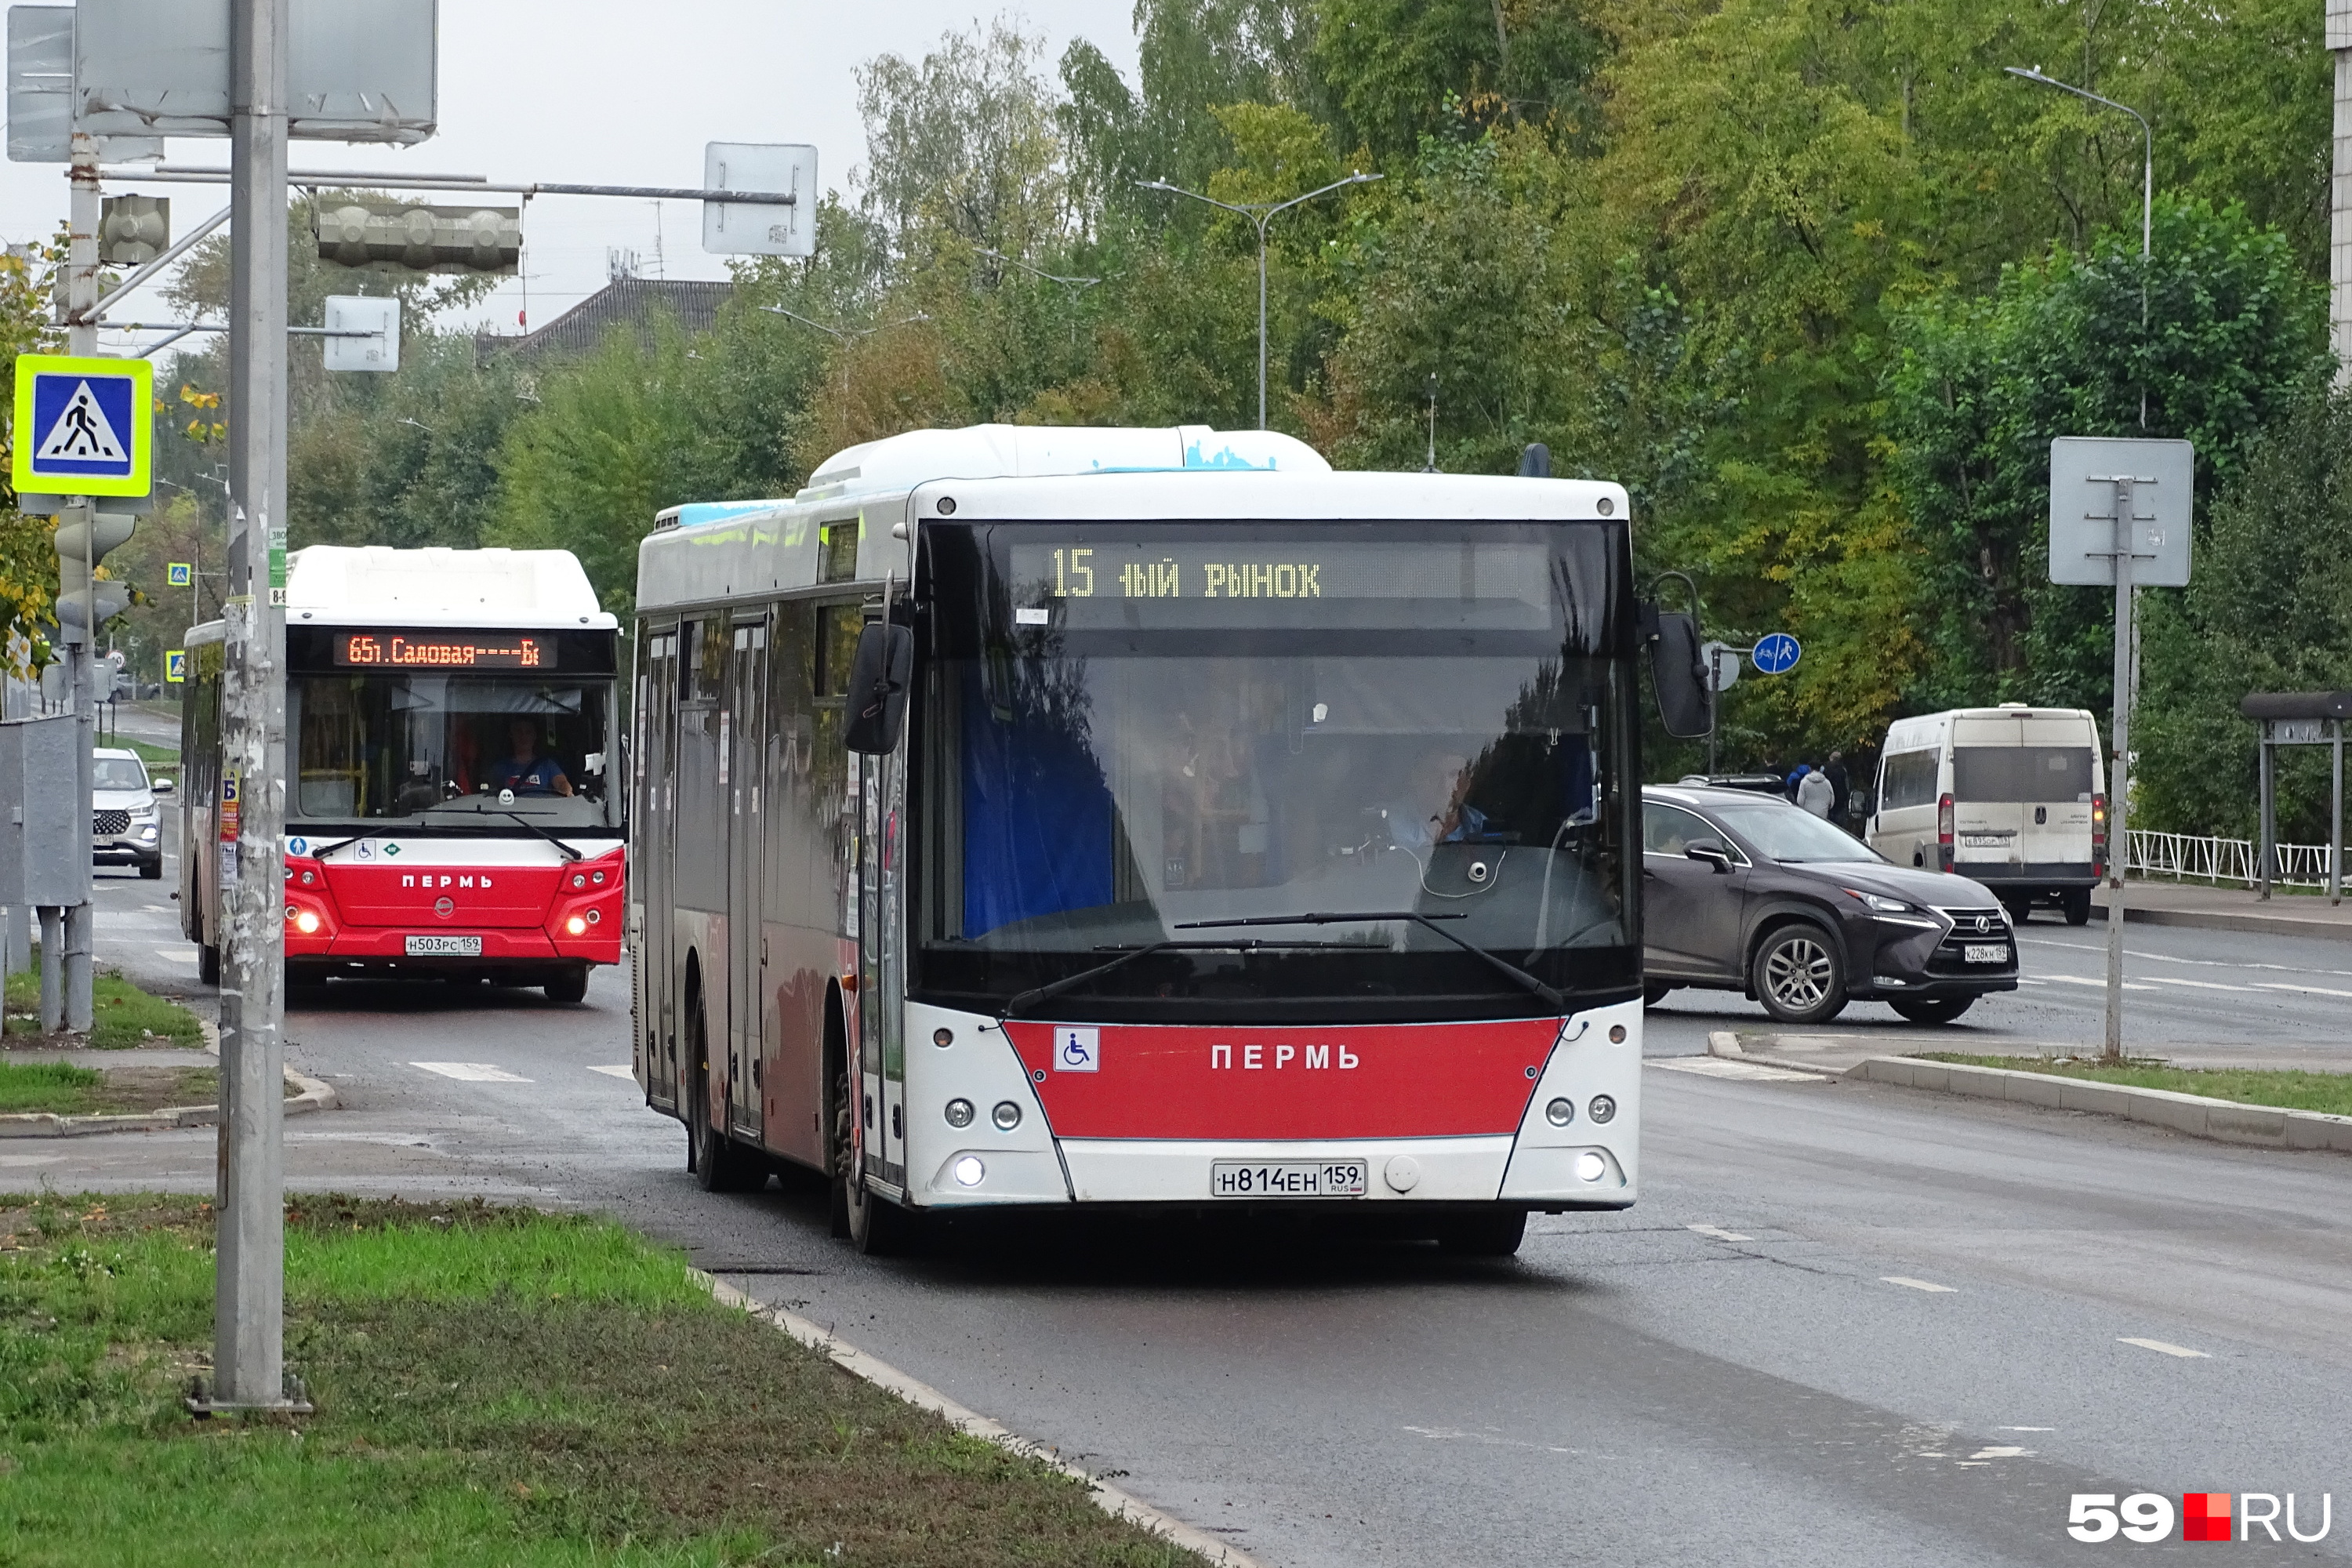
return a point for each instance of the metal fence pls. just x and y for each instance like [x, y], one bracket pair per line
[2185, 857]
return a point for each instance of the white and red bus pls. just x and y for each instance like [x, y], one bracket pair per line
[452, 807]
[1070, 818]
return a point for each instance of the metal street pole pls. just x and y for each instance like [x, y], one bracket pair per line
[2119, 773]
[82, 646]
[1260, 213]
[248, 1327]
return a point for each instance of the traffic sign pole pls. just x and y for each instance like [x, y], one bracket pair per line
[81, 669]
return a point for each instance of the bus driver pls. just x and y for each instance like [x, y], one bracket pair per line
[528, 772]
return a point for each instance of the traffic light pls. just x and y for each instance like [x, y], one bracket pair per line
[391, 239]
[133, 230]
[75, 538]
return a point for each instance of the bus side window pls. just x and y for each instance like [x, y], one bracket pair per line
[711, 651]
[837, 626]
[688, 633]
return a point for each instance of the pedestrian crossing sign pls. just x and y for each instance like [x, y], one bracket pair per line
[179, 573]
[175, 665]
[83, 427]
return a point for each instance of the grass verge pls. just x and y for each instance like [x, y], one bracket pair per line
[495, 1386]
[65, 1091]
[164, 760]
[122, 1015]
[2327, 1091]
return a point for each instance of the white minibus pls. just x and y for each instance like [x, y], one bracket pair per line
[2013, 797]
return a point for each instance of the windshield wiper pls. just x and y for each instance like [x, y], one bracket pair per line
[1550, 995]
[325, 850]
[1030, 999]
[569, 852]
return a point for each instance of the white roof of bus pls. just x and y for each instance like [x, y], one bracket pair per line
[723, 550]
[336, 584]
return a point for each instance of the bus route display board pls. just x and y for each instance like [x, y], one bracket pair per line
[443, 650]
[1144, 584]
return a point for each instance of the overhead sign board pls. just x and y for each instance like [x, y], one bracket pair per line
[378, 316]
[760, 228]
[359, 71]
[84, 426]
[40, 92]
[2086, 476]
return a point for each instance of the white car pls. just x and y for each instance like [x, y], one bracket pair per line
[125, 828]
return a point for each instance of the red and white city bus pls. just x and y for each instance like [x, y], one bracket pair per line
[450, 801]
[1067, 818]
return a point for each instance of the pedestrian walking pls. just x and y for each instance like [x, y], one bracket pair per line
[1789, 786]
[1815, 794]
[1840, 783]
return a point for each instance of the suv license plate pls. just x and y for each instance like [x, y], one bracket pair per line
[445, 946]
[1985, 952]
[1287, 1179]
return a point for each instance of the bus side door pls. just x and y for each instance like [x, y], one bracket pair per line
[653, 823]
[747, 956]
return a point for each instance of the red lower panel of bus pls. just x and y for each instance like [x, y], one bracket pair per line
[521, 913]
[1388, 1080]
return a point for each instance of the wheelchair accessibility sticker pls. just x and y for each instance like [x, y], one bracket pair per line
[1076, 1050]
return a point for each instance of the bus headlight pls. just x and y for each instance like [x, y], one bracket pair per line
[969, 1171]
[1590, 1167]
[1560, 1113]
[959, 1113]
[307, 922]
[1602, 1108]
[577, 925]
[1007, 1116]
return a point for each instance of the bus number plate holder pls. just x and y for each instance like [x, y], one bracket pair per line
[444, 946]
[1286, 1178]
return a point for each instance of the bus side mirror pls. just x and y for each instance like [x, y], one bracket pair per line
[879, 672]
[1680, 677]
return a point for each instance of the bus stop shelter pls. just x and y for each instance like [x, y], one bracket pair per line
[2301, 719]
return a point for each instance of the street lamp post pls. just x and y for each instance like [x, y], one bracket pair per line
[2146, 190]
[1260, 213]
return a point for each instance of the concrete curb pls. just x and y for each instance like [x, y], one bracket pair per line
[1723, 1043]
[315, 1095]
[882, 1374]
[2224, 1120]
[2229, 919]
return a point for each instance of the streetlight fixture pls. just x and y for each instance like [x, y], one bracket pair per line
[1260, 213]
[2146, 189]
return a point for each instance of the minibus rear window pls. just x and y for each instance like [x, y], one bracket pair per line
[2025, 774]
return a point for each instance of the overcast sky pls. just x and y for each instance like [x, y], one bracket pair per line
[617, 93]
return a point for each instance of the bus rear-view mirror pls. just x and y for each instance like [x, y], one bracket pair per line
[1676, 670]
[879, 673]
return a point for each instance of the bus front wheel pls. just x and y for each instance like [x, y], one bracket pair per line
[569, 986]
[879, 1228]
[1496, 1234]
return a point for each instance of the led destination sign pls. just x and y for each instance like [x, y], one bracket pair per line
[445, 650]
[1142, 583]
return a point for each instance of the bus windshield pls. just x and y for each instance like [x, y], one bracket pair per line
[451, 750]
[1129, 731]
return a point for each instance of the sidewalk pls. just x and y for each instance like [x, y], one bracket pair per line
[2231, 908]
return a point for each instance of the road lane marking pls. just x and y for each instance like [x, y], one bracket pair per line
[1999, 1451]
[471, 1072]
[1720, 1234]
[2025, 1428]
[2158, 1345]
[1910, 1284]
[2102, 984]
[623, 1070]
[2199, 984]
[1725, 1067]
[2312, 990]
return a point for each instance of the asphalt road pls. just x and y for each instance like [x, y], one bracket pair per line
[1846, 1324]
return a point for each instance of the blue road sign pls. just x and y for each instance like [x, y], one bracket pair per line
[1777, 654]
[83, 425]
[180, 574]
[175, 665]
